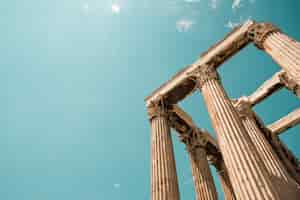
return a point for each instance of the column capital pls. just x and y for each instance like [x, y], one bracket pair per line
[289, 83]
[203, 73]
[217, 161]
[258, 33]
[243, 107]
[193, 139]
[157, 109]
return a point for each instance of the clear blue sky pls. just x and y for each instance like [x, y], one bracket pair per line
[74, 74]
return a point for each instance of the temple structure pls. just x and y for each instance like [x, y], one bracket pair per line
[251, 161]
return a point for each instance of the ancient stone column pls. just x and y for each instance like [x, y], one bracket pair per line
[226, 185]
[164, 183]
[286, 186]
[248, 175]
[283, 49]
[290, 162]
[218, 163]
[204, 184]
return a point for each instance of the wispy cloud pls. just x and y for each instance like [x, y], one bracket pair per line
[192, 1]
[184, 25]
[85, 8]
[117, 185]
[115, 8]
[236, 4]
[213, 4]
[232, 24]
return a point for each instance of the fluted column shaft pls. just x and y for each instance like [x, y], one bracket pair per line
[283, 49]
[286, 186]
[222, 171]
[247, 173]
[164, 183]
[226, 185]
[286, 52]
[196, 142]
[285, 155]
[203, 180]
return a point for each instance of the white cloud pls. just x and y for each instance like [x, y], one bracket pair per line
[117, 185]
[115, 8]
[192, 1]
[85, 7]
[184, 25]
[213, 4]
[230, 24]
[236, 4]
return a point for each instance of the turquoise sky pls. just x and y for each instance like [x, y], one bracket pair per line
[74, 74]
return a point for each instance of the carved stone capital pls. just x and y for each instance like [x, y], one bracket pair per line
[185, 137]
[193, 139]
[203, 73]
[157, 109]
[260, 31]
[243, 107]
[217, 161]
[289, 83]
